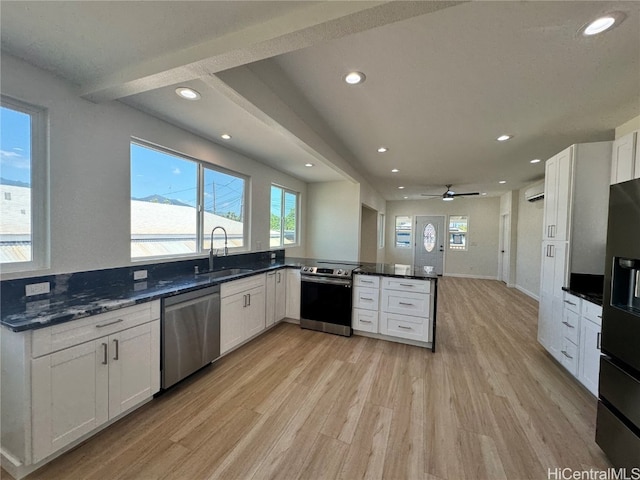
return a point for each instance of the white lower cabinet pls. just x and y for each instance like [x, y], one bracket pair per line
[275, 297]
[292, 309]
[63, 382]
[242, 311]
[402, 308]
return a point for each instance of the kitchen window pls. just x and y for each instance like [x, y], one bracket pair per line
[177, 201]
[458, 231]
[283, 227]
[403, 231]
[24, 234]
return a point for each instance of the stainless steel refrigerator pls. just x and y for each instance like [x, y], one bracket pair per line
[618, 423]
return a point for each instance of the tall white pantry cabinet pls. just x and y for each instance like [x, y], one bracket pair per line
[573, 236]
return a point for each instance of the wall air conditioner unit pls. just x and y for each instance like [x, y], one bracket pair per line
[535, 192]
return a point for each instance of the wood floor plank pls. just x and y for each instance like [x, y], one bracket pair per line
[294, 403]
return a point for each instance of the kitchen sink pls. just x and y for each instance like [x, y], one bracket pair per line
[227, 272]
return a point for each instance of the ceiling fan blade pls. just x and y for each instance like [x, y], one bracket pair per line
[430, 195]
[465, 194]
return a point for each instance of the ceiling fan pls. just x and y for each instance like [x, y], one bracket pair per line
[450, 194]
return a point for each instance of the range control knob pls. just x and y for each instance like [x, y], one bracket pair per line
[340, 272]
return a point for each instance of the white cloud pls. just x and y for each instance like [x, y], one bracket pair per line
[6, 154]
[13, 159]
[176, 171]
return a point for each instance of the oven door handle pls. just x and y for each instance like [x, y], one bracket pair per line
[327, 280]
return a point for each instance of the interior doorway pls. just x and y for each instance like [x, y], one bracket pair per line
[368, 235]
[503, 259]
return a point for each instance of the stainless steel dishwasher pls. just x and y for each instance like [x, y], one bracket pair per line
[190, 333]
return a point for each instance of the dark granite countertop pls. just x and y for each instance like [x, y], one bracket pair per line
[83, 294]
[593, 297]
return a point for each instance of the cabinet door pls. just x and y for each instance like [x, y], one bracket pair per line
[623, 159]
[134, 366]
[552, 279]
[589, 369]
[564, 194]
[232, 321]
[550, 197]
[270, 302]
[70, 391]
[293, 294]
[255, 312]
[281, 295]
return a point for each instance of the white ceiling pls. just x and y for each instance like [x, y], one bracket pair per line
[444, 79]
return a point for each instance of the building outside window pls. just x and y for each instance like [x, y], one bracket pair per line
[458, 231]
[403, 231]
[283, 227]
[177, 201]
[24, 213]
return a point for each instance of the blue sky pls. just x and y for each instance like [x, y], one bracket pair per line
[15, 145]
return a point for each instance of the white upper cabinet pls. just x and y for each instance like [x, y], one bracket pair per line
[625, 158]
[558, 184]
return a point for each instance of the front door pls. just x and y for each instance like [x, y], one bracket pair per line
[429, 245]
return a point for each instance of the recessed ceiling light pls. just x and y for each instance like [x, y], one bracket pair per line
[535, 160]
[308, 164]
[405, 197]
[602, 24]
[395, 170]
[354, 78]
[483, 193]
[187, 93]
[400, 188]
[225, 136]
[502, 181]
[504, 138]
[382, 149]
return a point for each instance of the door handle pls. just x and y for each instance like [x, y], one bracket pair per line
[244, 298]
[116, 343]
[599, 341]
[249, 295]
[110, 323]
[105, 360]
[568, 324]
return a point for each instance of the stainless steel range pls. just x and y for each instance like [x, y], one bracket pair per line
[325, 303]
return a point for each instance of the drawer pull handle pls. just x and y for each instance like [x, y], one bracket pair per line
[566, 354]
[405, 328]
[365, 321]
[407, 304]
[366, 281]
[568, 324]
[366, 298]
[117, 346]
[102, 325]
[407, 285]
[105, 360]
[570, 303]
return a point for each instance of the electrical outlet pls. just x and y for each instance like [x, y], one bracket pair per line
[139, 274]
[37, 289]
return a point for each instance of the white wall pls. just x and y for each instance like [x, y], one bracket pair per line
[508, 206]
[90, 171]
[333, 220]
[481, 258]
[628, 127]
[529, 241]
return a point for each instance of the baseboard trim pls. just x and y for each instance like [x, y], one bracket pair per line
[528, 293]
[466, 275]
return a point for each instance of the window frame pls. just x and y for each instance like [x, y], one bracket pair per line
[284, 191]
[395, 231]
[381, 225]
[201, 235]
[40, 209]
[465, 234]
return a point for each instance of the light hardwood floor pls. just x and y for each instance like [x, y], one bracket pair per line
[489, 404]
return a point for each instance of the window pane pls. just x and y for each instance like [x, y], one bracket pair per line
[290, 214]
[458, 232]
[15, 183]
[224, 207]
[275, 226]
[403, 232]
[163, 203]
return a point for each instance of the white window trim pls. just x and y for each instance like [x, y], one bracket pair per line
[466, 235]
[40, 215]
[395, 232]
[282, 216]
[200, 233]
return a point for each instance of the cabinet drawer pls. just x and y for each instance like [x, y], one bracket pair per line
[366, 298]
[592, 311]
[366, 281]
[237, 286]
[405, 303]
[404, 326]
[569, 356]
[365, 320]
[570, 325]
[572, 302]
[57, 337]
[406, 284]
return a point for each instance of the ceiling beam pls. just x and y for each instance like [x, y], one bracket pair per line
[319, 22]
